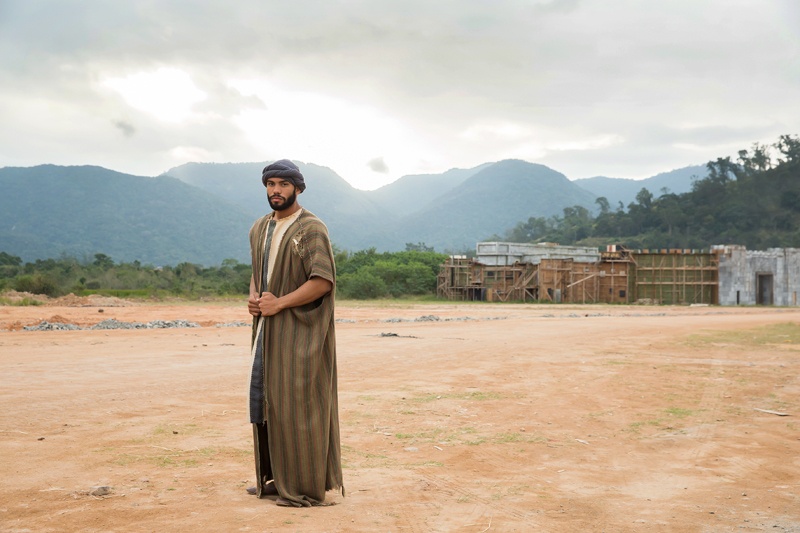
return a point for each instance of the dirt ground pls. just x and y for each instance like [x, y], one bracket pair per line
[455, 418]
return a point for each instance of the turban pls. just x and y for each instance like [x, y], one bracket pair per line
[284, 169]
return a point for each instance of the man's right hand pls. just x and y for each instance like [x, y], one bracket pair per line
[252, 305]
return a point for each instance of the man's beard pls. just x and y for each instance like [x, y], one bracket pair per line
[285, 205]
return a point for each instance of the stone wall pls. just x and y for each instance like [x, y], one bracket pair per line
[770, 277]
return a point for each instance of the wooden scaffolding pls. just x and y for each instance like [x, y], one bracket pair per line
[675, 277]
[620, 276]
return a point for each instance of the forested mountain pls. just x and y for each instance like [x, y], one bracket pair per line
[48, 211]
[753, 201]
[450, 211]
[345, 210]
[404, 196]
[617, 190]
[490, 201]
[201, 212]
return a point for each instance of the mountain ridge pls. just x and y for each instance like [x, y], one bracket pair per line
[201, 212]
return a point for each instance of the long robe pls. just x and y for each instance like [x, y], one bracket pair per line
[297, 444]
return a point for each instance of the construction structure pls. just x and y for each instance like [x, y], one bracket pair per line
[725, 275]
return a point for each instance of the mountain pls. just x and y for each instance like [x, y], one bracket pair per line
[402, 197]
[344, 209]
[492, 200]
[618, 190]
[201, 212]
[449, 211]
[48, 210]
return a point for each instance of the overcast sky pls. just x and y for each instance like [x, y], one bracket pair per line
[379, 89]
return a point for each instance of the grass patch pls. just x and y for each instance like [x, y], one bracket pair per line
[678, 412]
[773, 334]
[477, 396]
[661, 421]
[171, 458]
[366, 398]
[636, 427]
[504, 438]
[425, 463]
[169, 429]
[353, 458]
[23, 302]
[422, 436]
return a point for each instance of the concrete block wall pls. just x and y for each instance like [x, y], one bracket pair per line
[508, 253]
[739, 271]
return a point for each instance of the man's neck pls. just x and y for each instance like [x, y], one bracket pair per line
[278, 215]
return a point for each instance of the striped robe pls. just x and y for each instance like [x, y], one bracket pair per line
[298, 445]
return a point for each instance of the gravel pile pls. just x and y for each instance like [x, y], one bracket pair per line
[114, 324]
[44, 325]
[434, 318]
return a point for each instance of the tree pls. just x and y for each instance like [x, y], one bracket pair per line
[603, 205]
[419, 247]
[103, 261]
[9, 260]
[789, 147]
[645, 199]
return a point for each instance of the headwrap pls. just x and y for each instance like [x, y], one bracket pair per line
[284, 169]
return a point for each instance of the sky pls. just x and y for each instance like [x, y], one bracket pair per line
[379, 89]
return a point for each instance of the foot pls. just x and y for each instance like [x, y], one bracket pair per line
[269, 490]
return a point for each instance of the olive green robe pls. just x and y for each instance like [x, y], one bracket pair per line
[299, 440]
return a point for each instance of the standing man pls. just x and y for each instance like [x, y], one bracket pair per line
[294, 404]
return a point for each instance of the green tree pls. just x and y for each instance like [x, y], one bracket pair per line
[103, 261]
[361, 286]
[418, 247]
[603, 205]
[37, 284]
[9, 260]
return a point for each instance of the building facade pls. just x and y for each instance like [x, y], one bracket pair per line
[770, 277]
[519, 272]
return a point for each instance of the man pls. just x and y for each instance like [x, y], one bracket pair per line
[294, 406]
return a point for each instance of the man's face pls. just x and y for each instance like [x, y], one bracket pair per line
[281, 193]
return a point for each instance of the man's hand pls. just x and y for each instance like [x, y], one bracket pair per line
[268, 304]
[252, 304]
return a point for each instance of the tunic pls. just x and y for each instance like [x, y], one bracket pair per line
[297, 442]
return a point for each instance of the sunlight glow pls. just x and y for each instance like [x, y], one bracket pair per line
[314, 127]
[167, 93]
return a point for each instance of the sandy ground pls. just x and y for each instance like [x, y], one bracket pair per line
[492, 418]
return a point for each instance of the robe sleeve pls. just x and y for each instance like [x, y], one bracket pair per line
[317, 253]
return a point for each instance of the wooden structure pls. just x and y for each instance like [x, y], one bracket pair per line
[619, 276]
[675, 277]
[463, 279]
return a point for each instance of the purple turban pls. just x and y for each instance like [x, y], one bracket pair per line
[284, 169]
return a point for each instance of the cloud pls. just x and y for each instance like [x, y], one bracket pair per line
[166, 93]
[618, 87]
[378, 165]
[127, 129]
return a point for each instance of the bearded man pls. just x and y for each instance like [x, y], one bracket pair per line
[294, 404]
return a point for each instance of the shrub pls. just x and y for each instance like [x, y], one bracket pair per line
[361, 286]
[37, 284]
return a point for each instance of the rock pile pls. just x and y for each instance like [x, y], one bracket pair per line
[114, 324]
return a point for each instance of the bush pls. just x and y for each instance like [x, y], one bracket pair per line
[403, 279]
[361, 286]
[37, 284]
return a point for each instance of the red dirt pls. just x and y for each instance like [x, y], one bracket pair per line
[507, 418]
